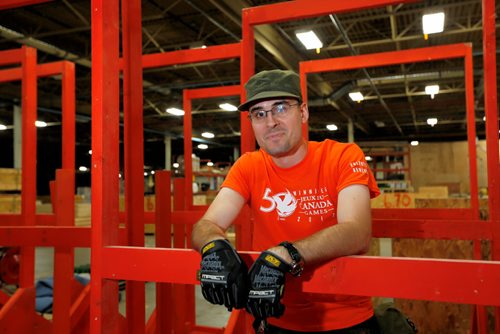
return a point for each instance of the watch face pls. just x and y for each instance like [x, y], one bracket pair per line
[296, 269]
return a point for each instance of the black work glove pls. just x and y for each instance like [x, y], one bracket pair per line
[267, 284]
[224, 278]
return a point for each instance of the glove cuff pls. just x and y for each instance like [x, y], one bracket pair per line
[274, 261]
[215, 245]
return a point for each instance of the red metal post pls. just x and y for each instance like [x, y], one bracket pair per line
[64, 256]
[28, 183]
[163, 235]
[188, 150]
[134, 152]
[247, 69]
[183, 293]
[68, 119]
[491, 111]
[104, 317]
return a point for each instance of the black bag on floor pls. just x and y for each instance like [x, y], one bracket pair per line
[393, 321]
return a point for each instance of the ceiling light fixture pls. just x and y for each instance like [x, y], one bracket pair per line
[83, 169]
[40, 124]
[309, 39]
[432, 90]
[210, 164]
[356, 96]
[432, 121]
[175, 111]
[202, 146]
[2, 127]
[368, 158]
[227, 107]
[414, 143]
[332, 127]
[432, 23]
[153, 172]
[175, 165]
[208, 135]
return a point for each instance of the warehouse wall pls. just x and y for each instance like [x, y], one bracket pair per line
[447, 164]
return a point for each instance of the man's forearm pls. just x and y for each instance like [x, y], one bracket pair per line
[205, 231]
[335, 241]
[330, 243]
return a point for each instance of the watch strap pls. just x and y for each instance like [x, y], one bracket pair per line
[297, 265]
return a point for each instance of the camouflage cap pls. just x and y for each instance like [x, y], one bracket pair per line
[271, 84]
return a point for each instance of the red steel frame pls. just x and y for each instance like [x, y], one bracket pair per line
[405, 57]
[465, 215]
[478, 278]
[27, 235]
[188, 96]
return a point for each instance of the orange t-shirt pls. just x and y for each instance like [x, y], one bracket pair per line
[293, 203]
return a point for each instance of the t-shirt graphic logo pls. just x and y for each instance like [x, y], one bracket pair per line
[284, 203]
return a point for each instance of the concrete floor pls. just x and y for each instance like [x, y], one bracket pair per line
[206, 313]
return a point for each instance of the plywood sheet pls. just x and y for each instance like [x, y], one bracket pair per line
[10, 179]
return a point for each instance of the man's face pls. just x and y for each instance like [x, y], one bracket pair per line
[279, 133]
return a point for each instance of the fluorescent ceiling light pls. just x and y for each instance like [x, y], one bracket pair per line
[228, 107]
[356, 96]
[207, 135]
[83, 169]
[309, 39]
[40, 124]
[202, 146]
[332, 127]
[432, 121]
[433, 23]
[368, 158]
[414, 143]
[175, 165]
[175, 111]
[432, 90]
[2, 127]
[210, 164]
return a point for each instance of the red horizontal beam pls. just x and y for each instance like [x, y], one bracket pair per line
[293, 10]
[385, 58]
[211, 53]
[432, 229]
[6, 4]
[426, 279]
[49, 236]
[412, 214]
[43, 70]
[46, 236]
[9, 57]
[47, 219]
[201, 93]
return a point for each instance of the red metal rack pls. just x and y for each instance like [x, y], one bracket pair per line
[111, 261]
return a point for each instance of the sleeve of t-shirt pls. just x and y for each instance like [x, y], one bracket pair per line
[238, 177]
[353, 169]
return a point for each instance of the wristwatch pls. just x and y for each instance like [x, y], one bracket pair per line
[297, 264]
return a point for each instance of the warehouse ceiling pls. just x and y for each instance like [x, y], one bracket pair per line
[395, 108]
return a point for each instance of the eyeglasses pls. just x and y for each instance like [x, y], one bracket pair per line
[278, 111]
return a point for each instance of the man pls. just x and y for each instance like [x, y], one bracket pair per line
[310, 202]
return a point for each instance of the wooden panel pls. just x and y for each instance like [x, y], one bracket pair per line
[10, 203]
[10, 179]
[434, 317]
